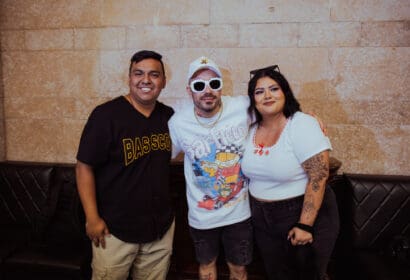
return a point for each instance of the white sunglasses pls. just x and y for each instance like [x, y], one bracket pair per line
[199, 85]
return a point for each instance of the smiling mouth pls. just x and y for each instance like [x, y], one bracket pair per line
[269, 103]
[145, 89]
[208, 97]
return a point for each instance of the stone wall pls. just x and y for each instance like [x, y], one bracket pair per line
[347, 60]
[2, 129]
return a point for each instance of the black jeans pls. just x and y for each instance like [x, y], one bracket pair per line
[272, 222]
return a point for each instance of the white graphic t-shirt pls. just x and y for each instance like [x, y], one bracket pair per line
[217, 190]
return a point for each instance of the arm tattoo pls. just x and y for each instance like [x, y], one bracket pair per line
[317, 169]
[308, 207]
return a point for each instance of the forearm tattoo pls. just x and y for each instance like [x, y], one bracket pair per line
[317, 169]
[308, 207]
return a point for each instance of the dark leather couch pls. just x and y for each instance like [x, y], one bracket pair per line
[41, 223]
[42, 226]
[375, 227]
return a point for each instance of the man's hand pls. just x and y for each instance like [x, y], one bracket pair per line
[96, 231]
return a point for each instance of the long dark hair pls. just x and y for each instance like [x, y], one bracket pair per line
[291, 104]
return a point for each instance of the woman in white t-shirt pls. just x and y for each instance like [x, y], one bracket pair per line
[287, 161]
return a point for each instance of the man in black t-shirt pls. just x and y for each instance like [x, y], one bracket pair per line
[122, 177]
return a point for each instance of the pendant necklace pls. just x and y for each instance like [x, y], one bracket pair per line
[212, 124]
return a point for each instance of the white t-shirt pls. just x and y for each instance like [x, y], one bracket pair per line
[276, 172]
[217, 190]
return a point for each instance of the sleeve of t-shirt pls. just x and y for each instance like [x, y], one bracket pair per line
[307, 137]
[176, 147]
[95, 139]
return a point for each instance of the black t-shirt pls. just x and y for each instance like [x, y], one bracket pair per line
[130, 155]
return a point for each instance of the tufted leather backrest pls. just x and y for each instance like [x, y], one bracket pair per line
[380, 208]
[67, 224]
[27, 195]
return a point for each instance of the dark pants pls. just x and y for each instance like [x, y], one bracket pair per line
[237, 241]
[272, 222]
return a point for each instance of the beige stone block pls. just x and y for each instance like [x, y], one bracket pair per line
[46, 74]
[247, 11]
[328, 111]
[378, 112]
[84, 106]
[370, 10]
[314, 91]
[179, 60]
[372, 149]
[2, 105]
[2, 140]
[29, 14]
[214, 36]
[340, 34]
[194, 36]
[113, 74]
[68, 146]
[110, 38]
[371, 73]
[33, 139]
[131, 12]
[12, 40]
[1, 81]
[357, 148]
[386, 34]
[176, 103]
[333, 111]
[269, 35]
[152, 37]
[300, 66]
[176, 68]
[2, 127]
[303, 67]
[39, 108]
[60, 39]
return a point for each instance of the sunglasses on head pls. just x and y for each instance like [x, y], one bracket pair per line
[269, 68]
[199, 85]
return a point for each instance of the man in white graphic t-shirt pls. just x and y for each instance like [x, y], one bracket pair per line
[211, 133]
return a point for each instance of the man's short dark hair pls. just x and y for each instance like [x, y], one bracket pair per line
[144, 54]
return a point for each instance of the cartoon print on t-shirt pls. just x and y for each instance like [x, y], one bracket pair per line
[219, 176]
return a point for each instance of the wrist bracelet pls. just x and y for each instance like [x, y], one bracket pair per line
[304, 227]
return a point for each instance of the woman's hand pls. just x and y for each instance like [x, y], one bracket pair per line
[298, 236]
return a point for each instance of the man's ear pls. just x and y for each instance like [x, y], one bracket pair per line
[188, 90]
[165, 82]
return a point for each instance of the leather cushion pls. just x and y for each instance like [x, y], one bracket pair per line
[380, 209]
[27, 195]
[68, 223]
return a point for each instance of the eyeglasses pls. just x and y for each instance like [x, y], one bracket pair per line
[269, 68]
[199, 85]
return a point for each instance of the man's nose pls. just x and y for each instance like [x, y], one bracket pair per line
[207, 88]
[146, 79]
